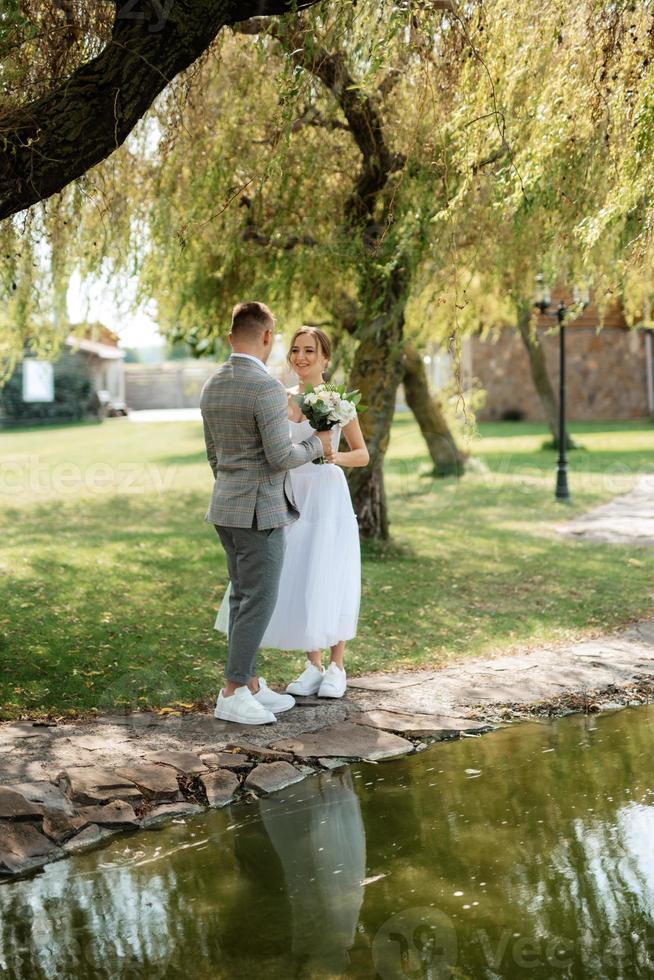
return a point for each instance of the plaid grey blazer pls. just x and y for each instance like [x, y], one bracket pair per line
[246, 431]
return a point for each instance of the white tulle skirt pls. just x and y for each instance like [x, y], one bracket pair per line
[320, 585]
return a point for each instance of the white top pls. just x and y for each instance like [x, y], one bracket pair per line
[250, 357]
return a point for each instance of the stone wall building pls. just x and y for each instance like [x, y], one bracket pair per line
[609, 372]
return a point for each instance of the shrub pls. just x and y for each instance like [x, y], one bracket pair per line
[72, 392]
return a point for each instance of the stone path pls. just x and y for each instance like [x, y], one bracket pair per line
[627, 520]
[70, 786]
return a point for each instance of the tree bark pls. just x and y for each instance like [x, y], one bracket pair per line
[55, 139]
[447, 458]
[538, 369]
[377, 366]
[377, 372]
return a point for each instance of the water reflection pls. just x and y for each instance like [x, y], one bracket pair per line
[321, 844]
[526, 853]
[301, 865]
[541, 858]
[283, 885]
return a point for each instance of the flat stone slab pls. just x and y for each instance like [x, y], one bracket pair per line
[13, 806]
[260, 751]
[186, 762]
[625, 520]
[167, 811]
[24, 729]
[89, 785]
[59, 826]
[45, 794]
[23, 848]
[226, 760]
[270, 776]
[96, 743]
[154, 782]
[389, 682]
[347, 740]
[220, 786]
[89, 837]
[114, 814]
[438, 726]
[335, 762]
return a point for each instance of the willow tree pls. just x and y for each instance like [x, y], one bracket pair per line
[390, 216]
[569, 195]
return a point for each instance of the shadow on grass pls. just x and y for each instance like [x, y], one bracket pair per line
[507, 430]
[624, 461]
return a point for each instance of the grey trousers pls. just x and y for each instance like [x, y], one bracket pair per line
[254, 562]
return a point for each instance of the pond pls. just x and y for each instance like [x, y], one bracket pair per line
[528, 852]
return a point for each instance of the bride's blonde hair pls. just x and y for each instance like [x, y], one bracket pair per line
[321, 338]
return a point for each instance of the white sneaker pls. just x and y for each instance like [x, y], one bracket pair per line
[308, 682]
[334, 683]
[242, 708]
[271, 699]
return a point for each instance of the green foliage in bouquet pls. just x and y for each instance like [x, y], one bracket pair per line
[322, 409]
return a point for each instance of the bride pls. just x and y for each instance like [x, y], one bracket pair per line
[320, 584]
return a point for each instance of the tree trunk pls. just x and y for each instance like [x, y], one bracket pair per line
[377, 372]
[51, 141]
[447, 458]
[538, 369]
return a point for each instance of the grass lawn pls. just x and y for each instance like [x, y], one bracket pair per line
[111, 578]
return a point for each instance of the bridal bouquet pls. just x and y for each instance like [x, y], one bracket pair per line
[328, 405]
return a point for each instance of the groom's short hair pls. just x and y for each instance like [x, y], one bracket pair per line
[251, 319]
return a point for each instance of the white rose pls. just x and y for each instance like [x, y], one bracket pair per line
[347, 412]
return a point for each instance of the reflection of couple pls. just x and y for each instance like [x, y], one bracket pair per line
[288, 527]
[317, 834]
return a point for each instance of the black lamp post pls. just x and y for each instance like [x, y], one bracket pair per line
[542, 302]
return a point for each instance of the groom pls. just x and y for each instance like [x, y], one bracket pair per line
[246, 431]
